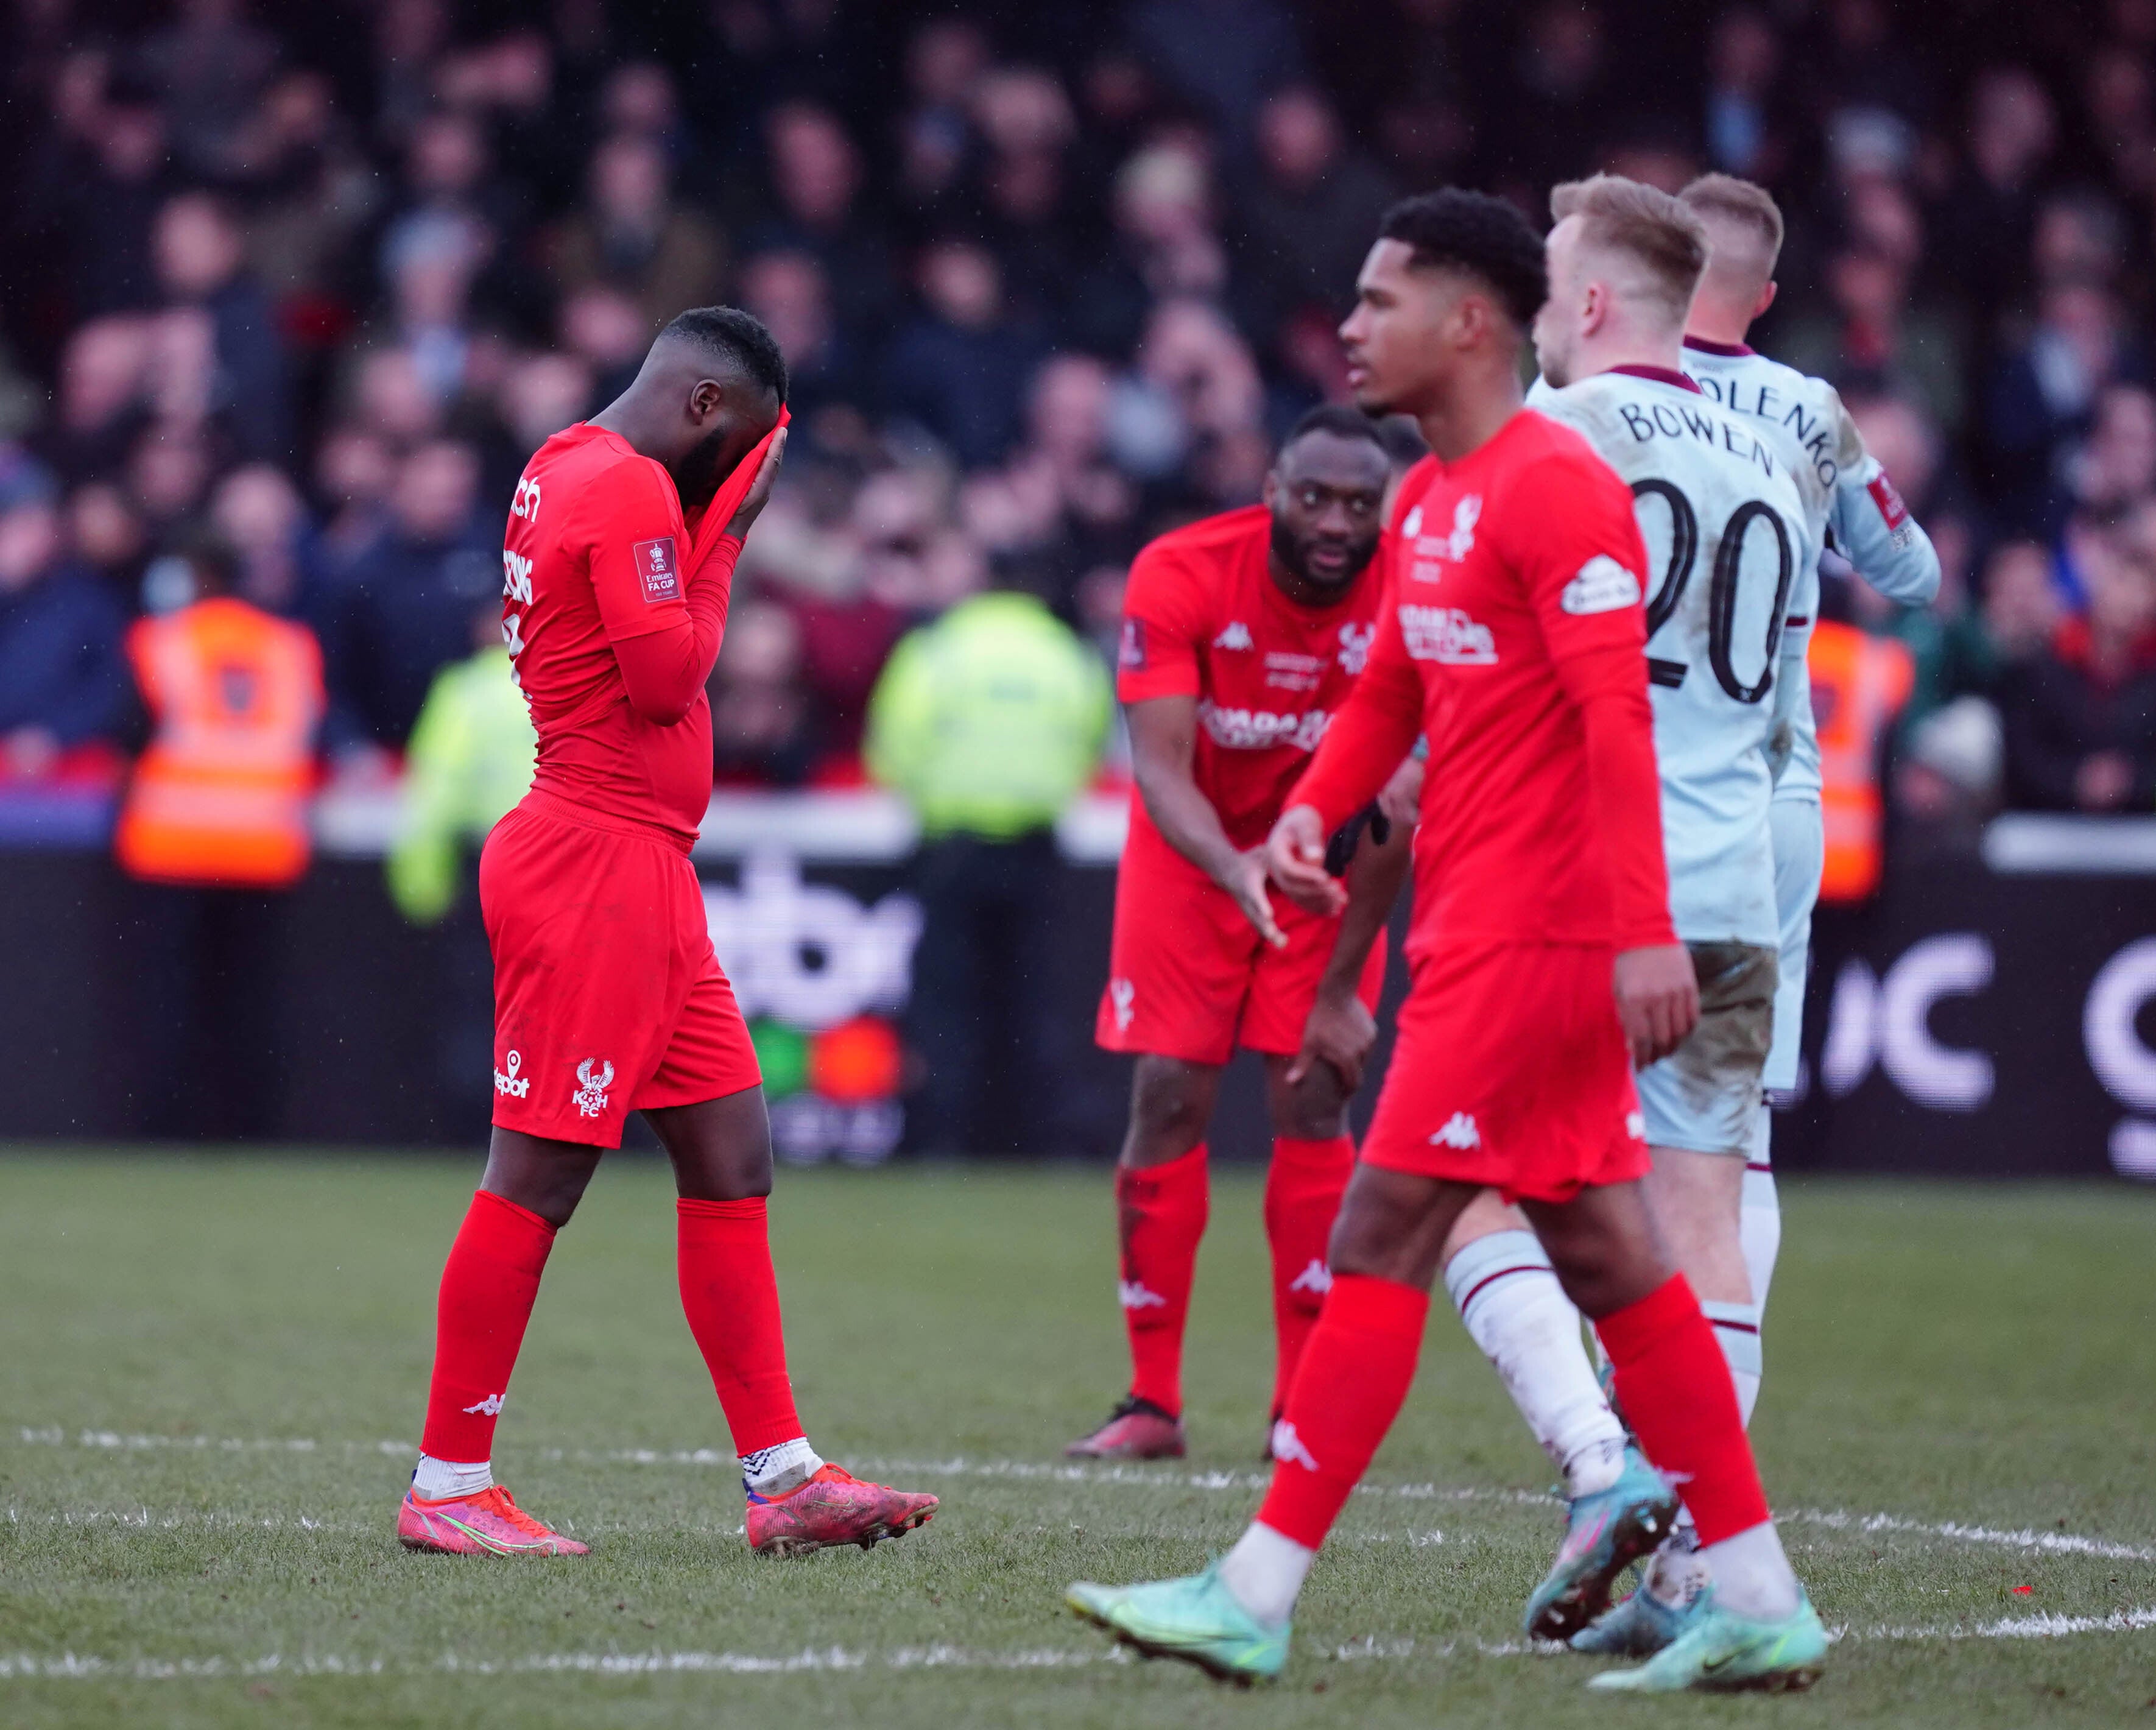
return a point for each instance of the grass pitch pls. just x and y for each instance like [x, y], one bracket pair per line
[212, 1371]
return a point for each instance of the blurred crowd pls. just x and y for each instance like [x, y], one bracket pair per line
[315, 281]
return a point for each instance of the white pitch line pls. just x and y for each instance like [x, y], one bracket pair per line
[77, 1667]
[1035, 1470]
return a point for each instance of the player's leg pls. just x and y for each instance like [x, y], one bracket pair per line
[1756, 1626]
[1161, 1201]
[1233, 1618]
[1799, 847]
[531, 1186]
[720, 1149]
[1313, 1158]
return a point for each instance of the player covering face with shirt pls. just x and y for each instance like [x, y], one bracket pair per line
[617, 565]
[1242, 635]
[1544, 964]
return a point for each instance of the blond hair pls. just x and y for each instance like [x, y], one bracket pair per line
[1743, 205]
[1661, 235]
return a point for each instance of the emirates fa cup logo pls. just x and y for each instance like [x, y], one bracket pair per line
[594, 1075]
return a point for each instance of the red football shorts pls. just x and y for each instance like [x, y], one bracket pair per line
[607, 996]
[1511, 1070]
[1189, 977]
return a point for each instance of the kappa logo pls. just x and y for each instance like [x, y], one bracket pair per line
[1355, 641]
[1412, 525]
[1448, 635]
[1459, 1131]
[516, 1087]
[1234, 635]
[1287, 1446]
[1601, 586]
[594, 1075]
[655, 565]
[1132, 1295]
[490, 1407]
[1316, 1278]
[1122, 999]
[1635, 1125]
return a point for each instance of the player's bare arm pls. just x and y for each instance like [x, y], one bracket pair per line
[1164, 747]
[1341, 1029]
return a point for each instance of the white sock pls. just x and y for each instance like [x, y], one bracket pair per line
[1518, 1314]
[1737, 1332]
[436, 1479]
[1752, 1576]
[1759, 1224]
[772, 1472]
[1677, 1573]
[1264, 1573]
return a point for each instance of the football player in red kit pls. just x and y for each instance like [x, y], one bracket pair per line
[617, 567]
[1243, 634]
[1544, 966]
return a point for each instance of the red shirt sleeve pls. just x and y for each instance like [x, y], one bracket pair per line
[1580, 555]
[1374, 730]
[1165, 627]
[628, 525]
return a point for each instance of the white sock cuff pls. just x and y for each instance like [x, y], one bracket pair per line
[1489, 1258]
[1737, 1332]
[781, 1467]
[436, 1480]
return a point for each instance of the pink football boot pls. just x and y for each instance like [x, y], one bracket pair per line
[487, 1524]
[832, 1507]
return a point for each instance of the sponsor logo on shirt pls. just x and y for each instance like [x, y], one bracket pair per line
[1288, 671]
[1235, 635]
[594, 1075]
[655, 564]
[1601, 586]
[1355, 641]
[1448, 635]
[1130, 651]
[515, 576]
[1261, 729]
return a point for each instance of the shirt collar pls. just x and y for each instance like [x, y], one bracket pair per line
[1728, 351]
[1661, 375]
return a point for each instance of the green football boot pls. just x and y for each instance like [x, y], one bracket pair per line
[1604, 1534]
[1638, 1628]
[1195, 1618]
[1719, 1652]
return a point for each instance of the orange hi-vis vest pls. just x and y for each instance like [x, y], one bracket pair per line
[221, 795]
[1859, 684]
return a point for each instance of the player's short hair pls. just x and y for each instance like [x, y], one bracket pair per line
[1647, 223]
[1342, 422]
[1743, 204]
[734, 335]
[1459, 230]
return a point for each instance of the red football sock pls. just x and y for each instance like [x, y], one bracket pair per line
[488, 1285]
[1160, 1213]
[1674, 1384]
[1356, 1371]
[1302, 1194]
[731, 1297]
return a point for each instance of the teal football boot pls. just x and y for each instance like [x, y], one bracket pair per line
[1195, 1618]
[1720, 1651]
[1604, 1534]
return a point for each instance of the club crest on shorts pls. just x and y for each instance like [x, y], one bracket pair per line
[516, 1087]
[594, 1075]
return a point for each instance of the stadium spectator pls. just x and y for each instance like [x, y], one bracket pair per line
[764, 726]
[403, 608]
[988, 722]
[633, 234]
[789, 292]
[960, 368]
[1309, 211]
[104, 176]
[62, 683]
[261, 517]
[815, 181]
[201, 265]
[2081, 713]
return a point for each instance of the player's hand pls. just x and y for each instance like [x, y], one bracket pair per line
[759, 489]
[1341, 1032]
[1246, 881]
[1401, 799]
[1657, 999]
[1295, 858]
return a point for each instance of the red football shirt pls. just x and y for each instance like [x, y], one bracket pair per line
[1514, 638]
[1203, 618]
[597, 553]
